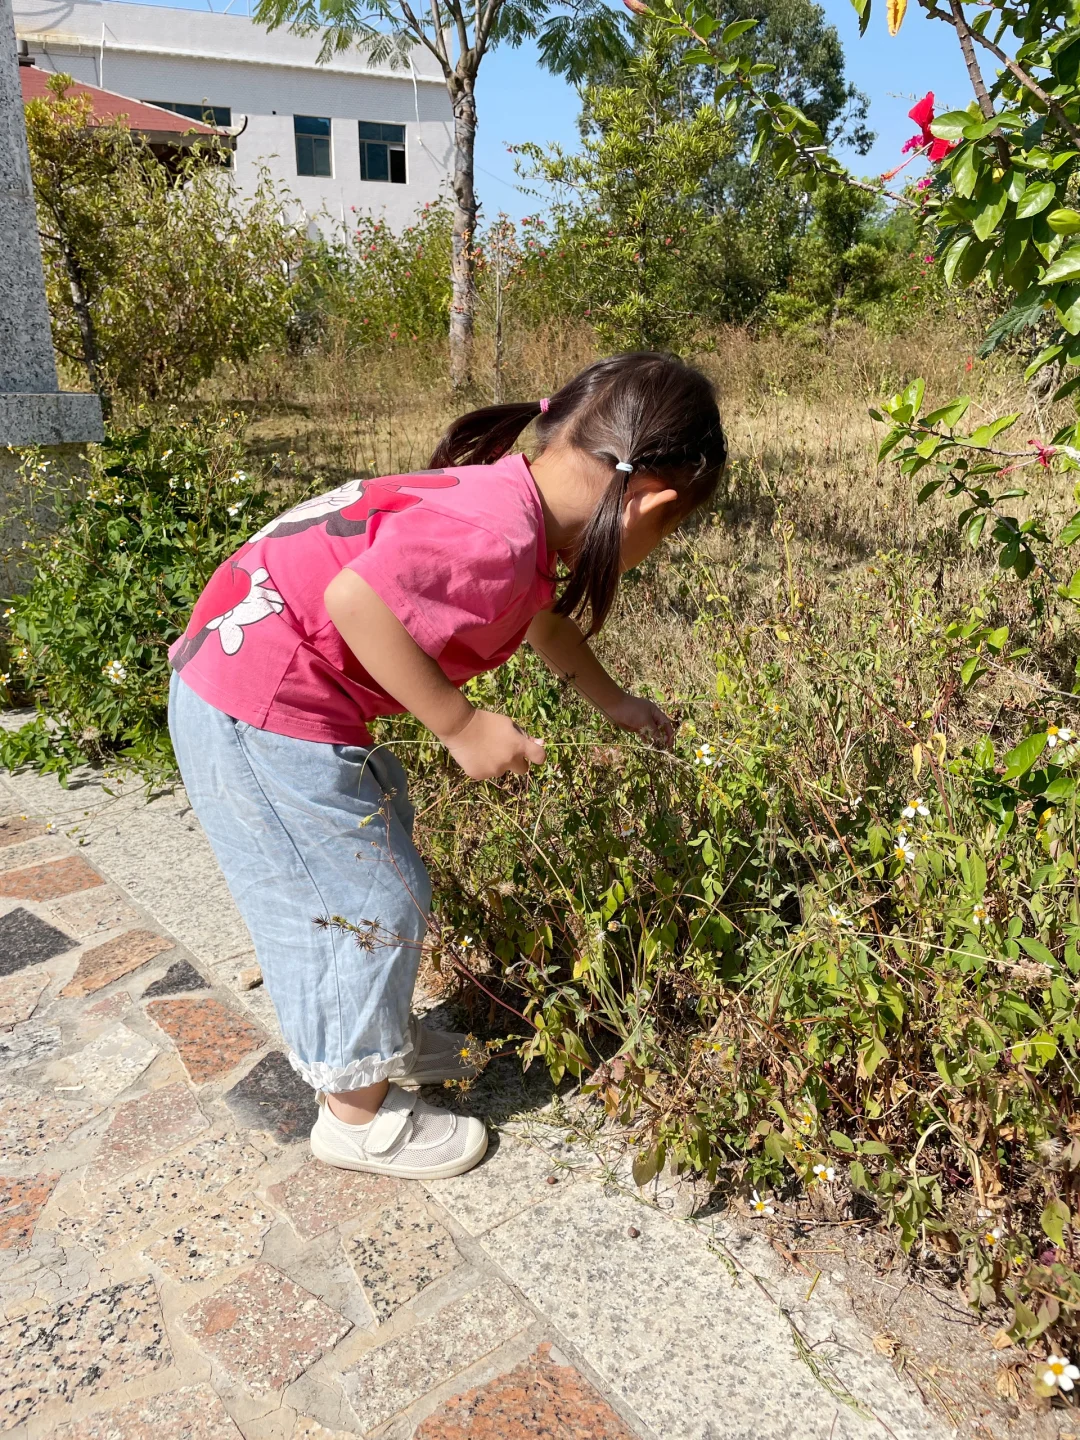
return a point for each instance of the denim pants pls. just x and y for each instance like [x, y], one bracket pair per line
[306, 832]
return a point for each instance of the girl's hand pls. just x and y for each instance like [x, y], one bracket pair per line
[489, 745]
[631, 712]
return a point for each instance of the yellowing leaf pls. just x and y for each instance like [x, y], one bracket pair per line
[916, 761]
[937, 740]
[895, 14]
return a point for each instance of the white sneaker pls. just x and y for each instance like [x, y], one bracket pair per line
[408, 1138]
[436, 1056]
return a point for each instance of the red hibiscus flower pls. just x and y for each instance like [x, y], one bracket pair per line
[923, 115]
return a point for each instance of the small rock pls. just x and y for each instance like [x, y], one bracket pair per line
[553, 1179]
[633, 1232]
[250, 978]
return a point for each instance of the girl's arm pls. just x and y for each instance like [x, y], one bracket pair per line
[483, 744]
[565, 651]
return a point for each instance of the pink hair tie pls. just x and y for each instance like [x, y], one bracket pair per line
[544, 406]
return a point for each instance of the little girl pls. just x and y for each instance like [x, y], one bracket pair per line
[383, 596]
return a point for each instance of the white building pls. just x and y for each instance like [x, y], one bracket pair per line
[347, 135]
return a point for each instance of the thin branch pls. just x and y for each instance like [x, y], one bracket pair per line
[413, 24]
[978, 84]
[1025, 79]
[437, 23]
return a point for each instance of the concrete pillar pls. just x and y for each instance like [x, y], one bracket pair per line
[33, 408]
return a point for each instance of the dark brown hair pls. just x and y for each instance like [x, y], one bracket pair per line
[651, 411]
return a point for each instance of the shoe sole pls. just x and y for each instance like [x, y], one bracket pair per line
[403, 1172]
[432, 1077]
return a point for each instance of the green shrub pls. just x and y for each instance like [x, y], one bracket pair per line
[113, 586]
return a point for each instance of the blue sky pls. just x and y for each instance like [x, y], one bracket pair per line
[518, 101]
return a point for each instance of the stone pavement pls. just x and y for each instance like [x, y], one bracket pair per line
[173, 1263]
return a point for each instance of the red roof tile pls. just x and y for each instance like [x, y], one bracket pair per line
[148, 119]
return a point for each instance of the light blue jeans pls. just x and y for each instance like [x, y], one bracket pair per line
[305, 832]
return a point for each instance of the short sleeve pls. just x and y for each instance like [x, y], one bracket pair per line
[439, 575]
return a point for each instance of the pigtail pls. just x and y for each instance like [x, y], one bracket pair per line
[595, 562]
[483, 436]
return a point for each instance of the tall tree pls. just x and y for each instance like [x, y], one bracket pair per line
[572, 39]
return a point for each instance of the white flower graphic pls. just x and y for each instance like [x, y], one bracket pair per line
[257, 604]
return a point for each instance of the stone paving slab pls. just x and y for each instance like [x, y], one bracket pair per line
[25, 939]
[390, 1378]
[264, 1329]
[193, 1413]
[84, 1346]
[50, 881]
[537, 1400]
[178, 1265]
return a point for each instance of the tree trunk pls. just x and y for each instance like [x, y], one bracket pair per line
[978, 84]
[87, 332]
[462, 262]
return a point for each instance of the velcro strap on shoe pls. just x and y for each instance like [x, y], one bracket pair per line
[389, 1124]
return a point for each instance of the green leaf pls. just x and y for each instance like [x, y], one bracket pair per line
[737, 28]
[966, 171]
[970, 672]
[841, 1142]
[992, 209]
[950, 414]
[645, 1167]
[1064, 221]
[862, 9]
[1021, 758]
[1037, 950]
[951, 125]
[1035, 199]
[1054, 1218]
[1050, 352]
[1065, 267]
[975, 529]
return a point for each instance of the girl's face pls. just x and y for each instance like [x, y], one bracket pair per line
[651, 513]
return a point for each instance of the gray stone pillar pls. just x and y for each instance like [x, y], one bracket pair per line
[33, 409]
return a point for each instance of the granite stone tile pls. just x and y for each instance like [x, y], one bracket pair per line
[85, 1345]
[93, 912]
[193, 1413]
[179, 977]
[272, 1097]
[305, 1428]
[105, 1067]
[512, 1176]
[49, 881]
[103, 1012]
[27, 1045]
[146, 1127]
[212, 1038]
[26, 940]
[20, 993]
[391, 1377]
[21, 1202]
[212, 1238]
[669, 1332]
[157, 1198]
[107, 962]
[16, 828]
[397, 1253]
[29, 1125]
[317, 1197]
[33, 852]
[264, 1329]
[537, 1400]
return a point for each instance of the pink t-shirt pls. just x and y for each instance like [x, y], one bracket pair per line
[458, 555]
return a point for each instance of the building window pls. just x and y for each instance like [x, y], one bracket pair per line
[382, 152]
[312, 145]
[218, 115]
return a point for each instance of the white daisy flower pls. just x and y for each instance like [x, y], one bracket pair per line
[759, 1204]
[235, 509]
[238, 477]
[915, 807]
[166, 454]
[172, 483]
[978, 915]
[704, 755]
[8, 611]
[1058, 735]
[1058, 1373]
[5, 678]
[992, 1236]
[23, 654]
[187, 484]
[825, 1173]
[903, 850]
[468, 941]
[838, 919]
[115, 671]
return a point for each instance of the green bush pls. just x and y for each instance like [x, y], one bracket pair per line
[114, 585]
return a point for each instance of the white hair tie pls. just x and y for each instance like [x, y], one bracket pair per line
[626, 466]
